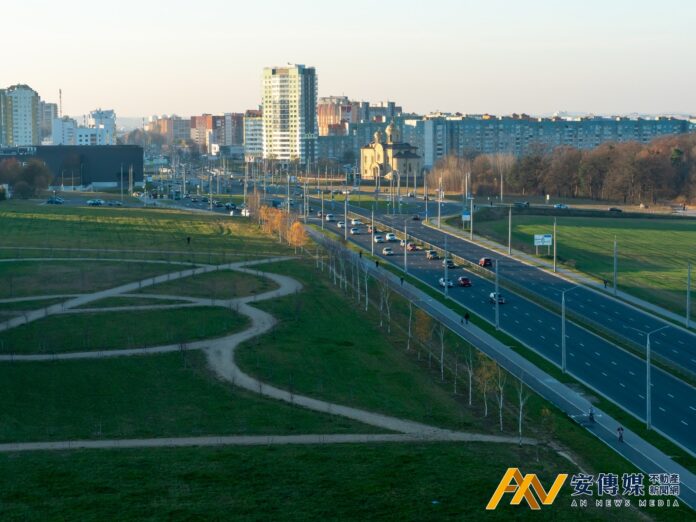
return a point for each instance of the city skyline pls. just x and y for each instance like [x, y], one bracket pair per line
[631, 59]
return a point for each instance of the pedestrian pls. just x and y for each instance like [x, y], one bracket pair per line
[461, 321]
[619, 432]
[466, 318]
[360, 254]
[402, 281]
[188, 240]
[606, 283]
[376, 263]
[591, 414]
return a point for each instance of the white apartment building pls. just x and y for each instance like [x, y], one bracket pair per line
[104, 121]
[101, 130]
[290, 113]
[64, 131]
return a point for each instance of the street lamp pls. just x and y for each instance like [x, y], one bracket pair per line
[405, 248]
[372, 237]
[648, 383]
[563, 327]
[497, 298]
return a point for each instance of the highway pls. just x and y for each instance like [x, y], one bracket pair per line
[612, 371]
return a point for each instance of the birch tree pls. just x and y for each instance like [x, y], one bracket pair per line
[484, 375]
[469, 366]
[500, 378]
[522, 398]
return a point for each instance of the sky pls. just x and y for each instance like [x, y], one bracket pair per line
[150, 57]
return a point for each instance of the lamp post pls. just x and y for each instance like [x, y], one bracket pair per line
[497, 298]
[509, 227]
[405, 248]
[372, 237]
[554, 245]
[563, 327]
[446, 266]
[471, 220]
[439, 204]
[323, 218]
[688, 295]
[345, 216]
[648, 383]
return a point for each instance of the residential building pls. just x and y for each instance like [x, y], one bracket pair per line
[253, 135]
[64, 131]
[201, 131]
[47, 113]
[104, 122]
[335, 113]
[20, 116]
[290, 114]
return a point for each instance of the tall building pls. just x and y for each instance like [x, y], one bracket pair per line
[104, 121]
[20, 116]
[47, 113]
[335, 113]
[290, 113]
[253, 135]
[4, 123]
[202, 130]
[100, 130]
[64, 131]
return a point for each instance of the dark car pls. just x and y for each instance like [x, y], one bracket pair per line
[485, 262]
[448, 263]
[54, 201]
[522, 204]
[416, 217]
[614, 209]
[463, 281]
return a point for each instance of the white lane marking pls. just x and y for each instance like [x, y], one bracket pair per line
[662, 409]
[622, 385]
[605, 374]
[597, 354]
[670, 396]
[586, 363]
[544, 338]
[629, 371]
[639, 395]
[684, 423]
[556, 345]
[614, 363]
[582, 345]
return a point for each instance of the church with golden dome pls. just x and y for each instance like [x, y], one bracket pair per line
[383, 159]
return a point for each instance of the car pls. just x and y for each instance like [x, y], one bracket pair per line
[355, 222]
[415, 217]
[410, 195]
[218, 204]
[522, 204]
[500, 298]
[194, 200]
[330, 217]
[204, 200]
[448, 262]
[340, 224]
[614, 209]
[230, 206]
[445, 282]
[391, 237]
[379, 239]
[561, 206]
[319, 214]
[355, 231]
[463, 281]
[54, 201]
[369, 229]
[387, 251]
[346, 192]
[411, 247]
[431, 254]
[485, 262]
[403, 243]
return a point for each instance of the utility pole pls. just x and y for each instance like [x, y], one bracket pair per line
[323, 218]
[372, 237]
[425, 195]
[439, 204]
[554, 245]
[648, 383]
[616, 262]
[497, 298]
[288, 200]
[510, 232]
[563, 327]
[471, 221]
[444, 261]
[688, 295]
[405, 249]
[121, 182]
[345, 217]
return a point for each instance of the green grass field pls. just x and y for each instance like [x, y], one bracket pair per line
[653, 253]
[117, 330]
[223, 284]
[113, 302]
[26, 224]
[130, 397]
[27, 278]
[296, 483]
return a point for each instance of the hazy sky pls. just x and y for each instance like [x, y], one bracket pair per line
[154, 57]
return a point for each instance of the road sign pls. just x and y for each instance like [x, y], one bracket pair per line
[543, 239]
[466, 215]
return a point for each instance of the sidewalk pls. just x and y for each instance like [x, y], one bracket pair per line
[643, 455]
[568, 274]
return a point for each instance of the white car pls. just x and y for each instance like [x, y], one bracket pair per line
[330, 217]
[387, 251]
[492, 298]
[355, 222]
[355, 231]
[390, 237]
[379, 239]
[340, 224]
[445, 282]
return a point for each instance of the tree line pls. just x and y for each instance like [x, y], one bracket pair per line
[25, 179]
[631, 173]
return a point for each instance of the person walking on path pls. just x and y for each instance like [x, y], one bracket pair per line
[188, 240]
[466, 318]
[619, 432]
[376, 263]
[606, 283]
[591, 414]
[402, 281]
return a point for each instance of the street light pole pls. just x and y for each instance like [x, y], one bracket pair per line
[439, 203]
[372, 237]
[616, 262]
[405, 249]
[444, 261]
[425, 195]
[554, 245]
[497, 298]
[323, 218]
[510, 232]
[563, 327]
[688, 295]
[345, 217]
[471, 220]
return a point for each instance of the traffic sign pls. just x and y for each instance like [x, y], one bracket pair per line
[543, 239]
[466, 215]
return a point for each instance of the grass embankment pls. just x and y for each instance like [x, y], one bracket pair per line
[214, 237]
[118, 330]
[222, 284]
[344, 482]
[27, 278]
[652, 253]
[169, 395]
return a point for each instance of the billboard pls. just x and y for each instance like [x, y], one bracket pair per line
[543, 239]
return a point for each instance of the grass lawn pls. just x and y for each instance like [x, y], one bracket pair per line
[223, 284]
[30, 305]
[322, 347]
[117, 330]
[112, 302]
[27, 278]
[345, 482]
[653, 253]
[26, 224]
[150, 396]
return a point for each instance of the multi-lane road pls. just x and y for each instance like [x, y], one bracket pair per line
[612, 371]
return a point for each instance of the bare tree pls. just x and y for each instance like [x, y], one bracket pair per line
[484, 375]
[469, 366]
[410, 321]
[522, 398]
[385, 296]
[441, 329]
[501, 377]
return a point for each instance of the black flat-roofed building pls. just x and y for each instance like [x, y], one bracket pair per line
[84, 164]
